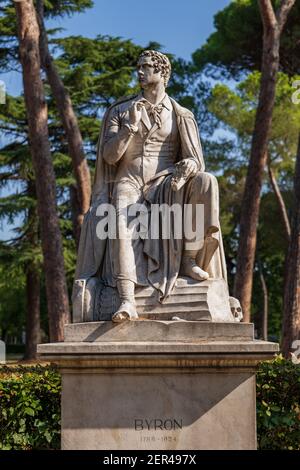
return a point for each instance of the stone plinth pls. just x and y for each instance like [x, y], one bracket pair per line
[158, 385]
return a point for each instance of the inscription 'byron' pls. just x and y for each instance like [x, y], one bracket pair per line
[157, 424]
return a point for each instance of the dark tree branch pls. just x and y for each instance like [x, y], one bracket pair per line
[283, 12]
[267, 14]
[281, 203]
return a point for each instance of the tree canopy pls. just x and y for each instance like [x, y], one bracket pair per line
[236, 45]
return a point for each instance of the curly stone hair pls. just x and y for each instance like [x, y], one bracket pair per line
[160, 62]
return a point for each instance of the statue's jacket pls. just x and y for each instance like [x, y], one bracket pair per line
[93, 253]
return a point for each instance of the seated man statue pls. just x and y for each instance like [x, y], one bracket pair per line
[149, 154]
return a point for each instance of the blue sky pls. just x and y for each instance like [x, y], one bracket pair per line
[180, 26]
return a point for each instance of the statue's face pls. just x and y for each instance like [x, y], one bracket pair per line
[146, 74]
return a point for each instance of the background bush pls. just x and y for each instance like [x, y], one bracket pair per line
[278, 405]
[30, 406]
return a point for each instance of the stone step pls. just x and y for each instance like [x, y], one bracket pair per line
[176, 291]
[180, 289]
[187, 307]
[196, 315]
[173, 299]
[188, 297]
[147, 330]
[187, 281]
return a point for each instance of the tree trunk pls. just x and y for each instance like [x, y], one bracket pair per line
[291, 303]
[32, 272]
[75, 211]
[273, 26]
[281, 204]
[37, 115]
[70, 124]
[33, 312]
[264, 330]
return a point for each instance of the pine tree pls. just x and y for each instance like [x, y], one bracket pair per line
[37, 115]
[109, 81]
[240, 24]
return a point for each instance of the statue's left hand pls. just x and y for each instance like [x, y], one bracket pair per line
[183, 171]
[188, 167]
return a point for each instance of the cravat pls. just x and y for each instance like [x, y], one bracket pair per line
[154, 111]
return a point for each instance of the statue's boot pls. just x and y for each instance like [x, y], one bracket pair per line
[127, 309]
[190, 268]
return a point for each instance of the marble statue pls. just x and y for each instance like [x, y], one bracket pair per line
[149, 155]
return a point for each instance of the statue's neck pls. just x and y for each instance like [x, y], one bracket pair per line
[155, 94]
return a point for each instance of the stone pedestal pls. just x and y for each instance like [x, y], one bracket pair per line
[159, 385]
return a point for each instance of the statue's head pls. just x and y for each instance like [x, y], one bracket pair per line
[153, 67]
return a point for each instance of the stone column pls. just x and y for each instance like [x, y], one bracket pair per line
[158, 385]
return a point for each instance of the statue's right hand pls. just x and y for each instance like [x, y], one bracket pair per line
[135, 112]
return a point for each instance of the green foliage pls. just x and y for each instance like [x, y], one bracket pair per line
[236, 109]
[236, 45]
[232, 51]
[8, 26]
[18, 202]
[29, 408]
[96, 72]
[278, 405]
[12, 305]
[57, 8]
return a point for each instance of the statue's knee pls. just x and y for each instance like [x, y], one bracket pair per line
[206, 180]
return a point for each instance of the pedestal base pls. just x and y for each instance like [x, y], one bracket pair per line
[172, 394]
